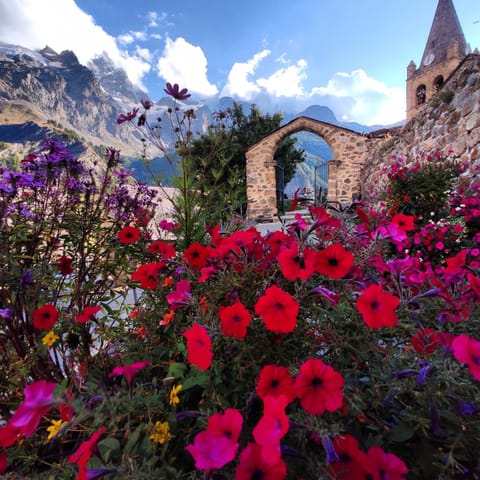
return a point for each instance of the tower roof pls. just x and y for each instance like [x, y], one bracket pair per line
[445, 31]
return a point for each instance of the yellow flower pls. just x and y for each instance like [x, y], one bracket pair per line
[54, 428]
[49, 339]
[174, 400]
[161, 433]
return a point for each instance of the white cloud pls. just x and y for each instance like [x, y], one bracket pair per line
[185, 64]
[286, 82]
[357, 97]
[143, 53]
[238, 83]
[63, 26]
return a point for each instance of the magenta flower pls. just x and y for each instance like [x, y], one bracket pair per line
[129, 371]
[467, 350]
[211, 451]
[127, 117]
[38, 401]
[82, 455]
[227, 424]
[180, 296]
[175, 92]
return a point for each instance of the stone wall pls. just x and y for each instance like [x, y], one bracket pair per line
[450, 122]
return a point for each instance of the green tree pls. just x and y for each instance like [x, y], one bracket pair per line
[218, 158]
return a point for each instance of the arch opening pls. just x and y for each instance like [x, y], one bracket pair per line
[421, 94]
[438, 83]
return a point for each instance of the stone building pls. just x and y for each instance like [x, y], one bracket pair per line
[445, 49]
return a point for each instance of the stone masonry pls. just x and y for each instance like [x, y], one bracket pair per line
[349, 149]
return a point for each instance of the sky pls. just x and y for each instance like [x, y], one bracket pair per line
[349, 55]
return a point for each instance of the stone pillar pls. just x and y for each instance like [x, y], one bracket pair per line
[333, 168]
[261, 186]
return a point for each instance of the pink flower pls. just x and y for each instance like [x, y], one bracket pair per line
[228, 425]
[37, 403]
[129, 371]
[467, 350]
[199, 346]
[211, 451]
[180, 296]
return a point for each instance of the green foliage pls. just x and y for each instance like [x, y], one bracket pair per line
[218, 158]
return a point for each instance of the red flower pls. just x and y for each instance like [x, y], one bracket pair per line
[253, 465]
[180, 296]
[272, 426]
[227, 425]
[275, 380]
[279, 240]
[385, 465]
[84, 452]
[65, 265]
[147, 275]
[87, 314]
[211, 451]
[196, 255]
[425, 341]
[334, 261]
[164, 249]
[129, 371]
[297, 265]
[406, 223]
[467, 350]
[3, 462]
[234, 320]
[378, 307]
[127, 117]
[199, 347]
[128, 234]
[44, 318]
[9, 435]
[353, 464]
[319, 387]
[278, 310]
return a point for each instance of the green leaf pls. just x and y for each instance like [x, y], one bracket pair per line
[109, 447]
[176, 370]
[402, 432]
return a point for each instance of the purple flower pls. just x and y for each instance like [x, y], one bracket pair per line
[332, 455]
[146, 103]
[425, 372]
[6, 313]
[127, 117]
[408, 372]
[175, 92]
[95, 473]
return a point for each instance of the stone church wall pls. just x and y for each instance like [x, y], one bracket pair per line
[450, 122]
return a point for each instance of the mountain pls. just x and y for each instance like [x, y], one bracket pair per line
[44, 92]
[54, 90]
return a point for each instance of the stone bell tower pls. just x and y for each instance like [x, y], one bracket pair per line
[445, 49]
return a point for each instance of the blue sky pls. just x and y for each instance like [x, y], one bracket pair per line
[350, 55]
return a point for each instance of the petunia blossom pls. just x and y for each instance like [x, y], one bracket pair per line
[377, 307]
[295, 264]
[129, 234]
[353, 463]
[45, 317]
[278, 310]
[129, 371]
[83, 453]
[87, 314]
[334, 261]
[38, 401]
[467, 350]
[252, 464]
[199, 346]
[319, 387]
[211, 451]
[148, 275]
[234, 320]
[227, 424]
[65, 265]
[275, 380]
[385, 465]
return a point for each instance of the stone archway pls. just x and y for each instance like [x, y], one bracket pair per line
[349, 152]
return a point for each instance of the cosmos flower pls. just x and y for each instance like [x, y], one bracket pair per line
[175, 91]
[122, 118]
